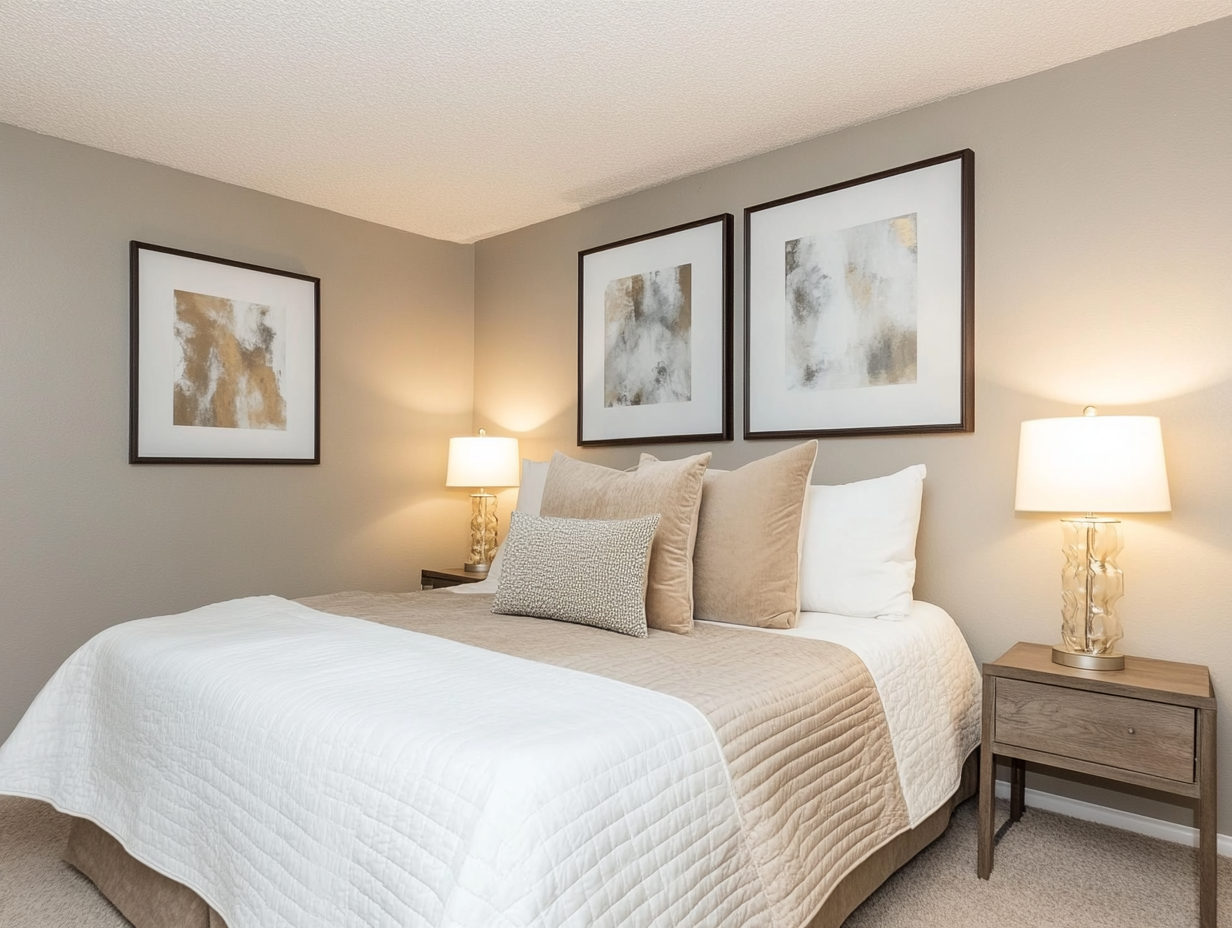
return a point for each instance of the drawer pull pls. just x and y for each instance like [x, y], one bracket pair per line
[1131, 731]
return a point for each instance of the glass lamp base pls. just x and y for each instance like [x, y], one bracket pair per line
[1091, 584]
[1108, 661]
[483, 533]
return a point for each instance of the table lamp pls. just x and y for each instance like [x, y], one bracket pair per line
[482, 461]
[1090, 464]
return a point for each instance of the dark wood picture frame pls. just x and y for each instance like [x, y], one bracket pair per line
[135, 455]
[724, 362]
[965, 421]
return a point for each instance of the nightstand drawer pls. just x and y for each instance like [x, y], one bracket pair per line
[1118, 731]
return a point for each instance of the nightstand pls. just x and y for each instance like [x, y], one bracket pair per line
[1151, 724]
[435, 578]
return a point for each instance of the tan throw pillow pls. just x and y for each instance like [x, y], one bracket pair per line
[671, 489]
[746, 565]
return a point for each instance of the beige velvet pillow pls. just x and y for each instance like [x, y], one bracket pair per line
[746, 563]
[671, 489]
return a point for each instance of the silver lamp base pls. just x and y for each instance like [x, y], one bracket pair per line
[476, 568]
[1083, 661]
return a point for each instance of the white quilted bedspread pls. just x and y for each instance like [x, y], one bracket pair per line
[400, 782]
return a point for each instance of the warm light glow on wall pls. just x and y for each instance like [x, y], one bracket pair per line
[1082, 344]
[525, 415]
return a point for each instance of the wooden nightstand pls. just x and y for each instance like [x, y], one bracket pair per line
[435, 578]
[1151, 724]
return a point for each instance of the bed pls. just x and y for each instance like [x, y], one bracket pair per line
[444, 759]
[555, 774]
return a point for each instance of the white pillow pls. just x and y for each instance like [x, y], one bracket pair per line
[530, 495]
[858, 554]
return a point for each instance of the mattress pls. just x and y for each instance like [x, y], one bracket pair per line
[489, 770]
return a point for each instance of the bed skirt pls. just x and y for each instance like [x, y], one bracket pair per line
[150, 900]
[144, 896]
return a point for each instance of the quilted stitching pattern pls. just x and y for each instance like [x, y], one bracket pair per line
[800, 723]
[930, 689]
[280, 762]
[465, 826]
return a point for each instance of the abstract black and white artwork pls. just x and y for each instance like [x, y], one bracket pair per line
[851, 306]
[224, 361]
[859, 306]
[648, 338]
[654, 320]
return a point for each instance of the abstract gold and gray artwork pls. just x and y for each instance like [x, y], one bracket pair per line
[647, 346]
[852, 299]
[230, 370]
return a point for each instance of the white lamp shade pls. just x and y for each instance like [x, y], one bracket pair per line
[1092, 464]
[482, 461]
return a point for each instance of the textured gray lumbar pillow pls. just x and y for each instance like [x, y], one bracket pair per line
[586, 571]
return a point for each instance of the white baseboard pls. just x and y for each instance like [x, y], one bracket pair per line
[1103, 815]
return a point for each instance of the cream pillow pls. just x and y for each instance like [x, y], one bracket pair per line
[746, 564]
[585, 571]
[673, 490]
[859, 546]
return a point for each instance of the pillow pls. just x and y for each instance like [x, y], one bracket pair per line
[530, 494]
[585, 571]
[746, 565]
[859, 546]
[673, 489]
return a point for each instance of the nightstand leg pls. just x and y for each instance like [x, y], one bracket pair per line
[987, 785]
[1207, 819]
[1018, 788]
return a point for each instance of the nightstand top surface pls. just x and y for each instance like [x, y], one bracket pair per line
[1168, 681]
[453, 573]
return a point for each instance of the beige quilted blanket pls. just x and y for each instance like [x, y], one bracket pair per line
[799, 721]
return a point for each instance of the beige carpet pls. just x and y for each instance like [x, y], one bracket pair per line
[1051, 872]
[37, 889]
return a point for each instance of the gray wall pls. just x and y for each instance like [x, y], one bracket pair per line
[1104, 275]
[86, 539]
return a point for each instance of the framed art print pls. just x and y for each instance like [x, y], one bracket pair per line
[654, 336]
[859, 306]
[225, 361]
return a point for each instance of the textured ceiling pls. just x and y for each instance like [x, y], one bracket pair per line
[459, 119]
